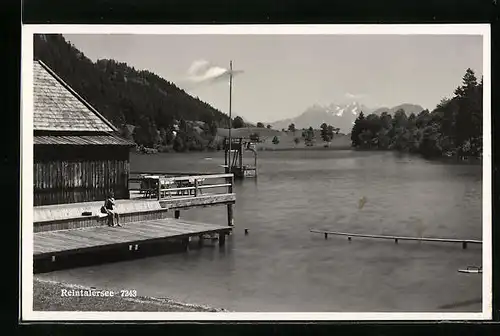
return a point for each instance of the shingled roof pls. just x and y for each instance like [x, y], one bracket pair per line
[57, 107]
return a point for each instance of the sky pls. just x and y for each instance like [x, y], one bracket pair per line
[282, 75]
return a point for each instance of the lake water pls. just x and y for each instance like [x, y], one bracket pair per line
[281, 266]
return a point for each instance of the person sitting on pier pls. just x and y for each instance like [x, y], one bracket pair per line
[109, 208]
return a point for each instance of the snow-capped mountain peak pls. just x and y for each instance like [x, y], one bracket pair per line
[337, 115]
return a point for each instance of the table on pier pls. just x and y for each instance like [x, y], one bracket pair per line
[149, 185]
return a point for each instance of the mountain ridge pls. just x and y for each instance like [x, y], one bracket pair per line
[339, 115]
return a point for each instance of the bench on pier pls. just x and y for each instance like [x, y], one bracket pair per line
[80, 215]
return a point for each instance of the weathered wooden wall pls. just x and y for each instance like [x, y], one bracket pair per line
[69, 175]
[92, 221]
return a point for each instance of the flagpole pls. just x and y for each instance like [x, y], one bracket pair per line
[230, 115]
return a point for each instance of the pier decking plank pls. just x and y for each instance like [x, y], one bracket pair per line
[167, 226]
[71, 238]
[77, 240]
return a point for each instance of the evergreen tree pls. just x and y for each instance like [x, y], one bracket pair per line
[309, 136]
[163, 136]
[324, 132]
[327, 132]
[238, 122]
[469, 84]
[357, 129]
[254, 137]
[179, 143]
[125, 133]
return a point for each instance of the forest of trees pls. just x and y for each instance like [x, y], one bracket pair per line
[146, 108]
[453, 128]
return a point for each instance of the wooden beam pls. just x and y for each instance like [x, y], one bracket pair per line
[204, 200]
[464, 242]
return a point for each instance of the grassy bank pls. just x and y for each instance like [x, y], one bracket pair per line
[47, 297]
[314, 147]
[286, 140]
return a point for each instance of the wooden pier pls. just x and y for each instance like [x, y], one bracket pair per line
[150, 216]
[186, 192]
[396, 239]
[72, 241]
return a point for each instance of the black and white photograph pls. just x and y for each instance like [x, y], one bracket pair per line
[330, 172]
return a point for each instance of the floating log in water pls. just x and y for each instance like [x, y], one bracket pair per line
[464, 242]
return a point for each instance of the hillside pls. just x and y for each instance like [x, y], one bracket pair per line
[247, 131]
[286, 142]
[127, 96]
[408, 108]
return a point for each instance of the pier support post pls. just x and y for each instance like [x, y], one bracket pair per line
[464, 245]
[185, 243]
[326, 235]
[396, 240]
[230, 219]
[177, 214]
[200, 240]
[222, 239]
[349, 238]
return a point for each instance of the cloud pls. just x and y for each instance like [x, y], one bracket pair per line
[355, 95]
[203, 72]
[197, 67]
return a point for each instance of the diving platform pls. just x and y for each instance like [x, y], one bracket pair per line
[233, 158]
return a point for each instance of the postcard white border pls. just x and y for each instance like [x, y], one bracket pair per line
[26, 226]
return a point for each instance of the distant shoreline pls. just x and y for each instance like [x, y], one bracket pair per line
[446, 159]
[259, 149]
[338, 144]
[312, 148]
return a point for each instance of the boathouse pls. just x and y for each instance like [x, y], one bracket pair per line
[78, 154]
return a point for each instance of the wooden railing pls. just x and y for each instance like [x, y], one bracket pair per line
[135, 174]
[193, 185]
[136, 181]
